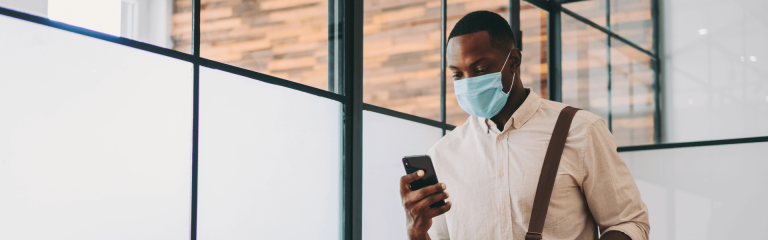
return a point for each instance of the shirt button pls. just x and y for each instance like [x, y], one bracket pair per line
[501, 174]
[504, 212]
[517, 125]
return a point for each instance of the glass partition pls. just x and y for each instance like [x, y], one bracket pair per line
[386, 140]
[149, 21]
[95, 138]
[715, 70]
[585, 67]
[632, 95]
[283, 38]
[401, 56]
[703, 192]
[269, 161]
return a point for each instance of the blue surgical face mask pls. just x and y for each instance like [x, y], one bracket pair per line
[482, 96]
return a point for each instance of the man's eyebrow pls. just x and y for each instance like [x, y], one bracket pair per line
[476, 62]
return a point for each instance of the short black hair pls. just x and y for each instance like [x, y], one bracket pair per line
[498, 29]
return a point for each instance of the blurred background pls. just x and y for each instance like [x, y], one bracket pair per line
[102, 119]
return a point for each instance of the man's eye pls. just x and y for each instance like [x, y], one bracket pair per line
[456, 76]
[481, 71]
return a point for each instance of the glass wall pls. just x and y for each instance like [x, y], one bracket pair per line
[94, 138]
[612, 77]
[715, 70]
[584, 67]
[386, 141]
[148, 21]
[632, 98]
[401, 56]
[283, 38]
[275, 176]
[703, 192]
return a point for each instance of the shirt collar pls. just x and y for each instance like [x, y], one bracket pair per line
[521, 115]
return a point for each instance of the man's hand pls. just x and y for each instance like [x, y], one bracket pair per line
[416, 203]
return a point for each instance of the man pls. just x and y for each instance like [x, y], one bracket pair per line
[492, 163]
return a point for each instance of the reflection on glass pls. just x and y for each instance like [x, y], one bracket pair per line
[716, 73]
[283, 38]
[146, 21]
[386, 141]
[593, 10]
[703, 192]
[270, 161]
[631, 19]
[401, 56]
[632, 98]
[456, 10]
[95, 138]
[584, 66]
[533, 71]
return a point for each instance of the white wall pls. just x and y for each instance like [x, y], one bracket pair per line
[715, 69]
[699, 193]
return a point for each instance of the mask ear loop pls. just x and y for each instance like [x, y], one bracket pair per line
[513, 73]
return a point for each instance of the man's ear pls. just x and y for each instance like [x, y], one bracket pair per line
[516, 59]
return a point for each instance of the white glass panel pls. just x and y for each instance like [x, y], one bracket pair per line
[716, 69]
[36, 7]
[95, 138]
[386, 140]
[716, 192]
[164, 23]
[270, 161]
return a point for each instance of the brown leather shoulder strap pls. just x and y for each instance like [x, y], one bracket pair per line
[549, 172]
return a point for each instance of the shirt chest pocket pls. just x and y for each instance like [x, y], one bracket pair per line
[565, 194]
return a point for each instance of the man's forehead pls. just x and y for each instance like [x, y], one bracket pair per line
[473, 44]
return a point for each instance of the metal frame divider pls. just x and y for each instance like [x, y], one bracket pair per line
[195, 114]
[609, 64]
[351, 64]
[554, 57]
[657, 123]
[443, 45]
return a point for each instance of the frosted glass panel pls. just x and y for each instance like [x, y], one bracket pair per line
[716, 69]
[386, 140]
[95, 138]
[163, 23]
[270, 161]
[697, 193]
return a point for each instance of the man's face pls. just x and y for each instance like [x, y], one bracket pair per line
[471, 55]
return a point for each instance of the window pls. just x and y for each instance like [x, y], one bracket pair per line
[285, 39]
[401, 56]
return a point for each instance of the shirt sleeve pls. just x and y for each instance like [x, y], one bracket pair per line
[610, 190]
[439, 229]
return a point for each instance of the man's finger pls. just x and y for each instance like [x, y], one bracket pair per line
[424, 192]
[434, 212]
[407, 179]
[431, 199]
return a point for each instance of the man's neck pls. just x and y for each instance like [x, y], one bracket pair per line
[516, 98]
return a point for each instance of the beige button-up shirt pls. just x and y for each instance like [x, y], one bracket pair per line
[492, 177]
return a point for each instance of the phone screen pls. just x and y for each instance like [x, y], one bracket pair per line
[415, 163]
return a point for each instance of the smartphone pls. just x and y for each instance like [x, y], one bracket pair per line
[422, 162]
